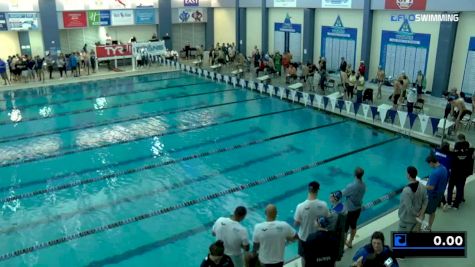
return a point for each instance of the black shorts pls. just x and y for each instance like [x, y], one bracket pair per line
[395, 99]
[352, 219]
[280, 264]
[434, 201]
[300, 248]
[419, 89]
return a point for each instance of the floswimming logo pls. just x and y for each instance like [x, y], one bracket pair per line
[425, 17]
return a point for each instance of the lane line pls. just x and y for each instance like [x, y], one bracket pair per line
[128, 199]
[161, 164]
[189, 203]
[119, 163]
[54, 155]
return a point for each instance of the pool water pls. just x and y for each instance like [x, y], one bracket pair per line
[133, 171]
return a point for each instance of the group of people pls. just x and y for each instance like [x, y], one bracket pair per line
[222, 53]
[321, 236]
[352, 81]
[25, 68]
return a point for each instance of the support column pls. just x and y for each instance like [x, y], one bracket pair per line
[49, 26]
[443, 60]
[165, 22]
[366, 37]
[24, 40]
[265, 27]
[209, 31]
[308, 34]
[242, 38]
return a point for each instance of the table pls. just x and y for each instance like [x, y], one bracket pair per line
[197, 63]
[265, 78]
[296, 86]
[237, 73]
[216, 67]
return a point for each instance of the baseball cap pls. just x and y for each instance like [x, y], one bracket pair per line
[323, 221]
[337, 195]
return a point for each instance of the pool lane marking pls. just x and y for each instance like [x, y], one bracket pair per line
[53, 88]
[119, 163]
[186, 204]
[88, 125]
[203, 126]
[67, 101]
[153, 192]
[80, 111]
[161, 164]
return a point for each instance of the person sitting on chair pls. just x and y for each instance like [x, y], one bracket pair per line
[461, 111]
[291, 73]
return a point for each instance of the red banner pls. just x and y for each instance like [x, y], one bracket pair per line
[75, 19]
[405, 4]
[111, 51]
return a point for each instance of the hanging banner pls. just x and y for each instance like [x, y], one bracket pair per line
[288, 37]
[402, 117]
[74, 19]
[383, 112]
[404, 51]
[191, 2]
[270, 90]
[113, 51]
[348, 106]
[318, 101]
[424, 119]
[468, 83]
[365, 110]
[150, 48]
[122, 17]
[23, 21]
[405, 4]
[145, 16]
[336, 3]
[293, 93]
[338, 42]
[99, 18]
[3, 22]
[285, 3]
[191, 15]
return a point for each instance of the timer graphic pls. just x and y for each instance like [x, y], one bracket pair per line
[429, 244]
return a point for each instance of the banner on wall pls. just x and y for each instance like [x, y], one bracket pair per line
[122, 17]
[288, 37]
[3, 22]
[151, 48]
[113, 51]
[468, 83]
[336, 3]
[191, 2]
[72, 5]
[338, 42]
[405, 4]
[23, 21]
[404, 51]
[22, 5]
[99, 18]
[145, 16]
[285, 3]
[190, 15]
[75, 19]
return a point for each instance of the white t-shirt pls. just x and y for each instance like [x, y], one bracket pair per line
[271, 237]
[306, 213]
[232, 233]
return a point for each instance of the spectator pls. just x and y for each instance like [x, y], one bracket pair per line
[413, 203]
[375, 253]
[320, 248]
[291, 73]
[396, 93]
[233, 234]
[411, 99]
[93, 61]
[216, 256]
[420, 83]
[435, 187]
[73, 62]
[337, 221]
[256, 56]
[306, 213]
[3, 72]
[359, 87]
[270, 238]
[39, 68]
[352, 81]
[278, 62]
[459, 105]
[462, 167]
[354, 194]
[380, 76]
[461, 143]
[362, 68]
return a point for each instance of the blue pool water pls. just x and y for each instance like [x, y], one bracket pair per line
[133, 171]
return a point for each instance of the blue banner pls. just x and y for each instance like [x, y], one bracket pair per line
[145, 16]
[338, 42]
[3, 22]
[404, 51]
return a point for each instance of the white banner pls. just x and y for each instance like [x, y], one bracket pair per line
[292, 95]
[212, 75]
[205, 73]
[402, 117]
[150, 48]
[305, 98]
[200, 71]
[22, 21]
[260, 87]
[191, 15]
[318, 100]
[424, 121]
[383, 112]
[226, 78]
[285, 3]
[270, 89]
[348, 106]
[122, 17]
[281, 92]
[234, 81]
[336, 3]
[333, 102]
[252, 85]
[242, 82]
[365, 109]
[219, 77]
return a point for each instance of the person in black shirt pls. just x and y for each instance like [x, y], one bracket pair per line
[462, 167]
[216, 256]
[321, 248]
[461, 143]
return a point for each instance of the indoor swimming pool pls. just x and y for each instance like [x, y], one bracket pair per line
[134, 171]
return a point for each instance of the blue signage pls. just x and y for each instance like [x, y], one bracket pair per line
[191, 2]
[3, 22]
[287, 26]
[338, 42]
[145, 16]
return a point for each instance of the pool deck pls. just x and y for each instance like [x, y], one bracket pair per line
[445, 221]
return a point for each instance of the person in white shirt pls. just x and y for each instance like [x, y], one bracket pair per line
[411, 99]
[306, 214]
[270, 238]
[233, 234]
